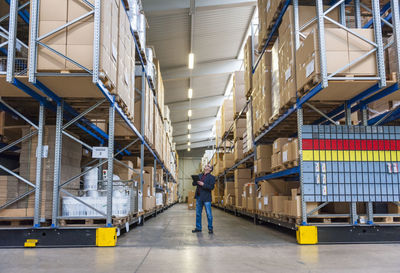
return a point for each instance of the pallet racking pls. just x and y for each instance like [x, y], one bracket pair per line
[316, 108]
[55, 96]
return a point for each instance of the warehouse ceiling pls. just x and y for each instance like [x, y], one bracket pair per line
[215, 37]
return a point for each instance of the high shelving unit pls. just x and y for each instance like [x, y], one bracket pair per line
[312, 109]
[50, 96]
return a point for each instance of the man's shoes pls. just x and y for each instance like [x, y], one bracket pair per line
[210, 231]
[196, 230]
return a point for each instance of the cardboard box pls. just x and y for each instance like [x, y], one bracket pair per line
[278, 204]
[278, 144]
[228, 161]
[251, 203]
[263, 165]
[229, 189]
[250, 190]
[242, 173]
[122, 171]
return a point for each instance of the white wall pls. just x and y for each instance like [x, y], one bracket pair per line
[187, 167]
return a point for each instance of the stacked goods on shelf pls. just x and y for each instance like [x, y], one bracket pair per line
[159, 86]
[148, 189]
[218, 137]
[248, 135]
[191, 200]
[290, 153]
[218, 163]
[217, 194]
[342, 48]
[228, 160]
[149, 111]
[239, 128]
[286, 51]
[262, 165]
[262, 94]
[275, 89]
[11, 187]
[241, 177]
[248, 66]
[238, 92]
[167, 122]
[229, 194]
[116, 43]
[226, 116]
[249, 197]
[277, 151]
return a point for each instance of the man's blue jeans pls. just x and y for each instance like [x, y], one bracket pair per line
[199, 211]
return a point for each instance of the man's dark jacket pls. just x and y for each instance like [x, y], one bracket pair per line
[203, 193]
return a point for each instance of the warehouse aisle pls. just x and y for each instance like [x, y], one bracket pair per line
[166, 244]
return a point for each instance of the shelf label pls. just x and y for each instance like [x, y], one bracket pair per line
[324, 190]
[395, 168]
[100, 152]
[389, 166]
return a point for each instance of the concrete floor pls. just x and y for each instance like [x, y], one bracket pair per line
[166, 244]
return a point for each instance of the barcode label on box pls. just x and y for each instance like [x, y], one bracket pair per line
[309, 68]
[288, 73]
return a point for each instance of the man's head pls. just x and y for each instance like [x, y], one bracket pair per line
[208, 168]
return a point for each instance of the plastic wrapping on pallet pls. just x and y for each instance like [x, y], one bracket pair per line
[133, 14]
[142, 30]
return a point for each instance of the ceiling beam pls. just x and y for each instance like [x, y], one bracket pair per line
[203, 69]
[208, 143]
[194, 137]
[160, 7]
[200, 103]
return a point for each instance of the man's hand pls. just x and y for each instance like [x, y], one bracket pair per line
[200, 183]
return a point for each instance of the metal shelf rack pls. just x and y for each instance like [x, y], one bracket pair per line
[336, 111]
[47, 95]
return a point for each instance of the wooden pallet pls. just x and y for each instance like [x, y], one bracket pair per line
[261, 129]
[290, 164]
[277, 168]
[313, 81]
[328, 220]
[260, 174]
[82, 222]
[237, 116]
[387, 219]
[283, 109]
[20, 222]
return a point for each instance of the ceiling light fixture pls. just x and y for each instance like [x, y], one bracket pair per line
[191, 60]
[189, 149]
[189, 143]
[189, 136]
[189, 126]
[190, 93]
[190, 113]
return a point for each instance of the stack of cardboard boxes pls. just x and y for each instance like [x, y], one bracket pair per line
[11, 187]
[239, 128]
[191, 200]
[241, 177]
[249, 197]
[226, 116]
[262, 165]
[229, 194]
[238, 91]
[262, 93]
[285, 152]
[117, 50]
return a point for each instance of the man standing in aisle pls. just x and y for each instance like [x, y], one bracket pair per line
[203, 197]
